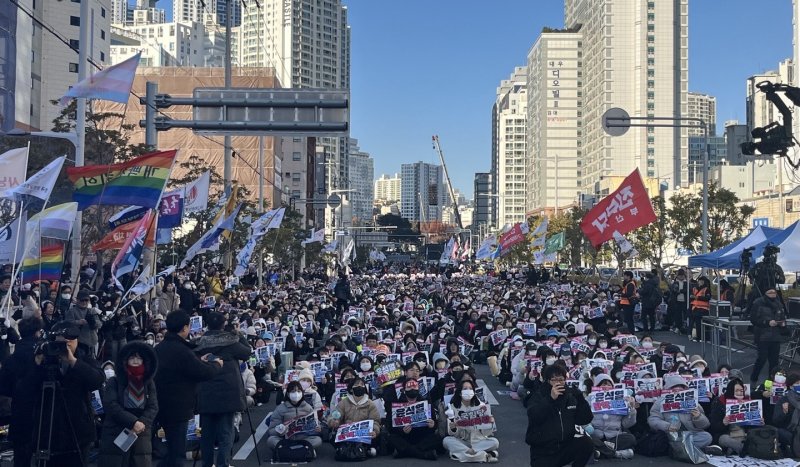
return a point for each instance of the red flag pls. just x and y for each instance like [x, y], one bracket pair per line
[117, 237]
[625, 209]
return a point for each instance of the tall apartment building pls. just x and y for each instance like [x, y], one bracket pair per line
[387, 189]
[509, 148]
[42, 66]
[422, 191]
[704, 107]
[192, 10]
[634, 56]
[362, 170]
[554, 152]
[760, 111]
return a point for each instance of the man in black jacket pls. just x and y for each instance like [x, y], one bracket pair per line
[221, 397]
[179, 373]
[553, 413]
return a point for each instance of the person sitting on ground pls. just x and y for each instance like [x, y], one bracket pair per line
[695, 421]
[466, 443]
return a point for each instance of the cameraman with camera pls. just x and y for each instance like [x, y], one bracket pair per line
[73, 373]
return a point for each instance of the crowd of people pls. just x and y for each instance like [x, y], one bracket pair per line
[380, 362]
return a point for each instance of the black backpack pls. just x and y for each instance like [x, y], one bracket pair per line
[288, 450]
[762, 443]
[653, 444]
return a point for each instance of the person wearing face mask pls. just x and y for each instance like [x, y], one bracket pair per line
[356, 407]
[292, 407]
[418, 442]
[466, 443]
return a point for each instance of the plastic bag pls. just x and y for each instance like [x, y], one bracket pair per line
[683, 449]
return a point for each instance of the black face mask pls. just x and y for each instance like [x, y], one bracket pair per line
[359, 391]
[412, 394]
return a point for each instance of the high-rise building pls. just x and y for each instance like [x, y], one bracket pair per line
[193, 10]
[760, 111]
[634, 56]
[362, 170]
[387, 189]
[422, 191]
[43, 66]
[554, 128]
[704, 107]
[509, 148]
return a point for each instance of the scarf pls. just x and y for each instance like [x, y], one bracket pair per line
[134, 394]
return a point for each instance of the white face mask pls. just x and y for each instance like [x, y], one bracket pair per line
[467, 394]
[109, 373]
[647, 345]
[366, 366]
[305, 385]
[780, 379]
[550, 360]
[295, 396]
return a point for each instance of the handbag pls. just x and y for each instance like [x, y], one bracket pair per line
[351, 452]
[683, 449]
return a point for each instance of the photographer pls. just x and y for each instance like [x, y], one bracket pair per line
[769, 330]
[77, 374]
[85, 317]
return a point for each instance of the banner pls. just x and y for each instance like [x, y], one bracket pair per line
[610, 402]
[306, 425]
[414, 415]
[683, 401]
[13, 168]
[744, 413]
[195, 195]
[624, 210]
[478, 418]
[358, 432]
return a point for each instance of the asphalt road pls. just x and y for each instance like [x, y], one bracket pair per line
[510, 415]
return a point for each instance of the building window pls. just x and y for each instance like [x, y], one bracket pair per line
[75, 20]
[73, 67]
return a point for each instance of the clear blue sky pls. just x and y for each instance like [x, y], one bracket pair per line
[424, 67]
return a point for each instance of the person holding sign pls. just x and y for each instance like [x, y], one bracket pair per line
[292, 407]
[608, 430]
[356, 407]
[470, 426]
[420, 442]
[553, 412]
[731, 434]
[668, 420]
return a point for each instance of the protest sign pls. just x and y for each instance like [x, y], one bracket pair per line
[682, 401]
[744, 413]
[387, 372]
[358, 432]
[479, 418]
[415, 415]
[608, 402]
[306, 425]
[647, 389]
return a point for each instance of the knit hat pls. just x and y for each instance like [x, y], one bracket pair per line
[670, 381]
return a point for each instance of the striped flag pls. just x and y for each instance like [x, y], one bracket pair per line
[112, 84]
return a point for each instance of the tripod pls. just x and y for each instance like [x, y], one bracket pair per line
[51, 389]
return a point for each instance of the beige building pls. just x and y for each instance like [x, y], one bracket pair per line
[509, 147]
[635, 55]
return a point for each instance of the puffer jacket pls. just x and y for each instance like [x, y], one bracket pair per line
[352, 412]
[607, 426]
[659, 420]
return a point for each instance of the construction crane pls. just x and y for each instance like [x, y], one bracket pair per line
[438, 149]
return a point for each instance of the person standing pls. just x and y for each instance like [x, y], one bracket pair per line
[627, 300]
[701, 296]
[176, 384]
[222, 397]
[769, 330]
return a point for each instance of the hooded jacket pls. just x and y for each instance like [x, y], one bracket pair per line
[224, 393]
[117, 417]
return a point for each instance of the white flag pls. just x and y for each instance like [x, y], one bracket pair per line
[13, 168]
[195, 196]
[318, 236]
[12, 239]
[41, 183]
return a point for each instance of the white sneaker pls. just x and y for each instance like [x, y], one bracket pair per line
[625, 454]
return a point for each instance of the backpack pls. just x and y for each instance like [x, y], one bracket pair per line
[288, 450]
[653, 444]
[762, 443]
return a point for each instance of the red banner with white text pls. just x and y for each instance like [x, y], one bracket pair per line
[625, 209]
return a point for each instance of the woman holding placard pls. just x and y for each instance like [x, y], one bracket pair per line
[470, 426]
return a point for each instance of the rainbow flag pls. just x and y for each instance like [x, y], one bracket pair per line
[46, 267]
[139, 181]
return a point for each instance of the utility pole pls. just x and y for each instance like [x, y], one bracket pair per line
[80, 129]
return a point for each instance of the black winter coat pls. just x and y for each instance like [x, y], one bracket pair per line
[551, 423]
[224, 393]
[117, 417]
[180, 371]
[77, 384]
